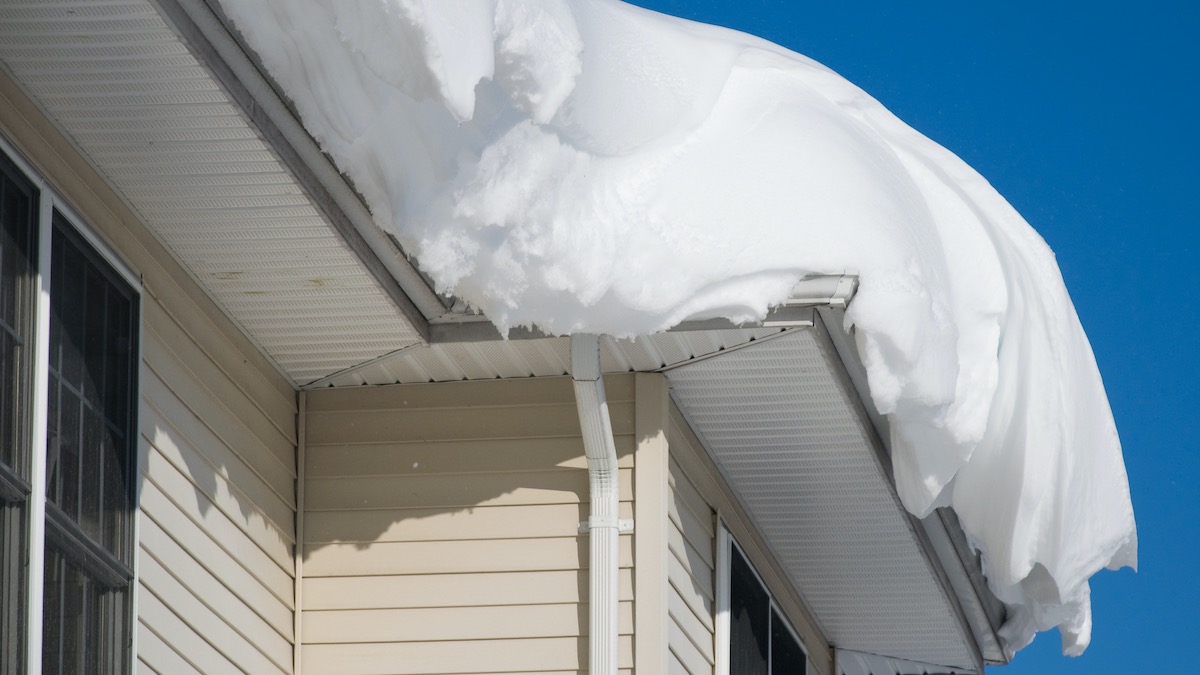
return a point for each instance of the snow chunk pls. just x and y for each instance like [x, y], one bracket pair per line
[592, 166]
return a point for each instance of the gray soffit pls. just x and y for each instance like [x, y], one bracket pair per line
[784, 425]
[153, 119]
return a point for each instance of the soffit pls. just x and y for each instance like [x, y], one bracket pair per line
[783, 425]
[155, 122]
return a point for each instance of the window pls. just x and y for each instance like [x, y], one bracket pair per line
[18, 253]
[67, 442]
[756, 637]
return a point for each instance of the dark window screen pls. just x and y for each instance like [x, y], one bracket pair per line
[749, 613]
[89, 461]
[18, 253]
[760, 642]
[786, 656]
[18, 247]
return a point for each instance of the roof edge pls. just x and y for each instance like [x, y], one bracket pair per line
[955, 563]
[204, 27]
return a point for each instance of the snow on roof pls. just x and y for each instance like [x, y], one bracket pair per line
[593, 166]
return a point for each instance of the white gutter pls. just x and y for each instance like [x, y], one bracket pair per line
[604, 523]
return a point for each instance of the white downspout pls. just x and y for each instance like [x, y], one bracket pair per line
[604, 524]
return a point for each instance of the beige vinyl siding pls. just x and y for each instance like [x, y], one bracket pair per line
[690, 569]
[441, 528]
[217, 446]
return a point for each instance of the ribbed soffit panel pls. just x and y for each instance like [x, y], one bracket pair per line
[157, 125]
[787, 435]
[542, 357]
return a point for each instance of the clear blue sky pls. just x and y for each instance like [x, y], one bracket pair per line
[1085, 116]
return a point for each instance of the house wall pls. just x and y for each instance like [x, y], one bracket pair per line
[692, 573]
[217, 448]
[697, 492]
[441, 527]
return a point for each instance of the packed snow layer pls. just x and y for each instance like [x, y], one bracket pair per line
[592, 166]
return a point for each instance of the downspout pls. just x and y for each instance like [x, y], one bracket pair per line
[604, 523]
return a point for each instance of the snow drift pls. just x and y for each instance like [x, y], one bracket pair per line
[592, 166]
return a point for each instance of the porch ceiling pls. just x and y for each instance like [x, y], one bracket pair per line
[156, 123]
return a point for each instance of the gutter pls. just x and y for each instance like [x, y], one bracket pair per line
[604, 523]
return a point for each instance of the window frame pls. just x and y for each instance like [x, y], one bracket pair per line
[726, 544]
[52, 207]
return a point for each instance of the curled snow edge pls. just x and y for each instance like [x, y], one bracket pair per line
[590, 166]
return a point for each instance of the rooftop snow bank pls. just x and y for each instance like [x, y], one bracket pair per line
[592, 166]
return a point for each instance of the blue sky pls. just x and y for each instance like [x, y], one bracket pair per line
[1085, 116]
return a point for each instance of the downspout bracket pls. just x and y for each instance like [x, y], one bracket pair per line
[596, 522]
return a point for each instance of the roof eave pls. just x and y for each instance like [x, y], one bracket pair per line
[203, 25]
[955, 563]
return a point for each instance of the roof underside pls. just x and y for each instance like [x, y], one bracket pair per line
[159, 127]
[784, 426]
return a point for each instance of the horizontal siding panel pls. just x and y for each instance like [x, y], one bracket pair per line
[699, 563]
[700, 635]
[484, 522]
[180, 444]
[216, 542]
[226, 517]
[685, 495]
[452, 557]
[250, 620]
[457, 623]
[238, 395]
[155, 656]
[453, 590]
[158, 396]
[687, 653]
[697, 527]
[172, 467]
[435, 658]
[675, 667]
[241, 650]
[249, 433]
[514, 392]
[466, 456]
[179, 636]
[469, 490]
[384, 426]
[697, 596]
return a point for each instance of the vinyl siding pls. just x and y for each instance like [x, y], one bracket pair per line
[690, 570]
[441, 528]
[217, 513]
[217, 446]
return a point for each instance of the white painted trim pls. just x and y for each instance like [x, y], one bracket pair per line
[724, 542]
[37, 436]
[139, 465]
[298, 600]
